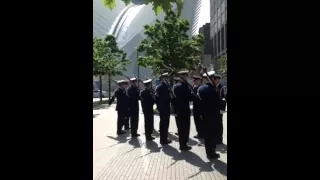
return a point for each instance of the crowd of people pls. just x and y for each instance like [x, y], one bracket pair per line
[209, 103]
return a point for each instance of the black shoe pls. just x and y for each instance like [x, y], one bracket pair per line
[213, 156]
[185, 148]
[121, 132]
[166, 142]
[127, 129]
[176, 134]
[150, 138]
[135, 135]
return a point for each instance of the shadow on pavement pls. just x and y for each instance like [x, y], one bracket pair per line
[153, 147]
[173, 152]
[192, 142]
[155, 133]
[220, 166]
[100, 106]
[135, 143]
[222, 148]
[173, 137]
[121, 139]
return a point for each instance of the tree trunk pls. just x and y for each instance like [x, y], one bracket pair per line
[109, 83]
[100, 81]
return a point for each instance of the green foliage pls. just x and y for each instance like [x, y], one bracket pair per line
[158, 5]
[107, 57]
[223, 66]
[168, 45]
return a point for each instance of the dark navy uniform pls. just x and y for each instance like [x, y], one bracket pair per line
[147, 102]
[183, 97]
[210, 111]
[198, 121]
[122, 108]
[221, 90]
[163, 100]
[133, 93]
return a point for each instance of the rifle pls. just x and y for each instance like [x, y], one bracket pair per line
[183, 79]
[115, 82]
[205, 71]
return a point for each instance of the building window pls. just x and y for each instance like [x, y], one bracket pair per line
[226, 14]
[215, 17]
[219, 42]
[216, 27]
[223, 18]
[222, 38]
[219, 12]
[223, 6]
[219, 23]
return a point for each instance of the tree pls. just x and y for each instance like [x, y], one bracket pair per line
[108, 59]
[168, 45]
[158, 5]
[223, 66]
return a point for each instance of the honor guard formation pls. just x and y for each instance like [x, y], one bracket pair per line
[207, 95]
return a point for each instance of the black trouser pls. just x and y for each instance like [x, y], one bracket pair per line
[121, 120]
[134, 120]
[220, 129]
[177, 122]
[198, 121]
[211, 122]
[148, 123]
[126, 123]
[164, 125]
[184, 127]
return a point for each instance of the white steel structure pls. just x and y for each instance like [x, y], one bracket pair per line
[126, 24]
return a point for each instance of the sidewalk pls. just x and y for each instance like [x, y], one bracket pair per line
[116, 158]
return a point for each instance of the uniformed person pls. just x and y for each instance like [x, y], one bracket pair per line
[122, 105]
[183, 96]
[147, 101]
[222, 91]
[210, 111]
[198, 121]
[134, 97]
[175, 81]
[163, 99]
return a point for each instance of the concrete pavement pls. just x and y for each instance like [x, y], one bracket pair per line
[120, 157]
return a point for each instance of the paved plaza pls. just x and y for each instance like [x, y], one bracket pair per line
[120, 157]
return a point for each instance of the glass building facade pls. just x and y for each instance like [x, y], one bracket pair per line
[218, 27]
